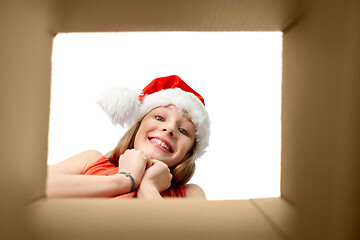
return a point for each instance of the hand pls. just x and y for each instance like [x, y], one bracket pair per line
[157, 176]
[134, 162]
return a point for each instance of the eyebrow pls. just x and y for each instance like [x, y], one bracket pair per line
[186, 115]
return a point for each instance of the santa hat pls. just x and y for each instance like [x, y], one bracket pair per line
[124, 106]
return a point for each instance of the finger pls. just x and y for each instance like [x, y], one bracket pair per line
[149, 163]
[160, 164]
[154, 161]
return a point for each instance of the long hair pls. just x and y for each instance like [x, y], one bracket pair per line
[181, 173]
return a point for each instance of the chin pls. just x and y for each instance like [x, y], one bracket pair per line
[154, 155]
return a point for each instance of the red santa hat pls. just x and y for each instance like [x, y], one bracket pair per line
[125, 106]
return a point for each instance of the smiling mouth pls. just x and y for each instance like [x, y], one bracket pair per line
[161, 143]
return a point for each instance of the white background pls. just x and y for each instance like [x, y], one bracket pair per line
[238, 74]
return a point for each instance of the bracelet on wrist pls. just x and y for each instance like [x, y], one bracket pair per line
[127, 174]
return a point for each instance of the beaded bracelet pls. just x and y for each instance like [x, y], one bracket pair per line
[132, 179]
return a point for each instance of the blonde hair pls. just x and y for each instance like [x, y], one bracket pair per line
[181, 173]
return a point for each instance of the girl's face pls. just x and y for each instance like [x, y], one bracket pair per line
[166, 135]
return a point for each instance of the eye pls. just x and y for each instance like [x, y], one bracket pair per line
[159, 118]
[183, 131]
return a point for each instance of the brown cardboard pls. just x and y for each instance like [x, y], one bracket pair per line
[320, 122]
[152, 219]
[319, 109]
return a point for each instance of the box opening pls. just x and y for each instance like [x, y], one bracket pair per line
[238, 74]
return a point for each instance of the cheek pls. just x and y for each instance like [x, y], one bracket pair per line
[187, 145]
[190, 145]
[138, 139]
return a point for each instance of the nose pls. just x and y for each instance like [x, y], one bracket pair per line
[170, 132]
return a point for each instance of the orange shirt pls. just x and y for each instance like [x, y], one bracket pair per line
[104, 167]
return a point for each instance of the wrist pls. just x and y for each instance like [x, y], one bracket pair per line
[124, 183]
[128, 175]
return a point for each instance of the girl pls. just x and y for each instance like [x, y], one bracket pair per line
[169, 129]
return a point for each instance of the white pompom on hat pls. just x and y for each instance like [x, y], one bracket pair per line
[124, 106]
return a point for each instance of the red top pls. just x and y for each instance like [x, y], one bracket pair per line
[104, 167]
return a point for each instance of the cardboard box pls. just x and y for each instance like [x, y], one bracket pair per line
[320, 122]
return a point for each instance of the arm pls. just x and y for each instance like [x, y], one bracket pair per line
[62, 185]
[65, 179]
[157, 178]
[194, 191]
[148, 192]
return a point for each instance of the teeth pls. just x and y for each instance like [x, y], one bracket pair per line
[161, 143]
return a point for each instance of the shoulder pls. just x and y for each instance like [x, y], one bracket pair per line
[76, 164]
[194, 191]
[91, 154]
[87, 157]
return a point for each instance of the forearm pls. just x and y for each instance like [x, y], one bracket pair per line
[61, 185]
[148, 192]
